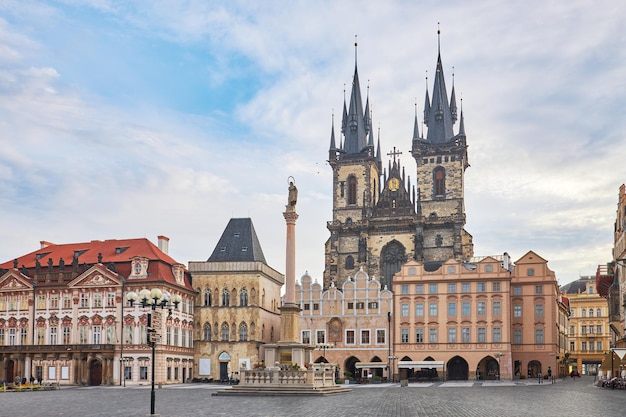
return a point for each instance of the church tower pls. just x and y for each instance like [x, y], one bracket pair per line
[380, 220]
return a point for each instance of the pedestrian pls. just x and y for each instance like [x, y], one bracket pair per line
[550, 375]
[32, 379]
[540, 377]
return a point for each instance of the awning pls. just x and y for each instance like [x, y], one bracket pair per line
[370, 365]
[421, 364]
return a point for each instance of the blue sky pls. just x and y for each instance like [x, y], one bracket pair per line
[123, 119]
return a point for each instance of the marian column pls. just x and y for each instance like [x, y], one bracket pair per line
[289, 328]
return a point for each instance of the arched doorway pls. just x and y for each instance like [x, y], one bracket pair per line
[10, 371]
[534, 369]
[95, 372]
[224, 359]
[376, 371]
[458, 370]
[350, 366]
[488, 368]
[406, 373]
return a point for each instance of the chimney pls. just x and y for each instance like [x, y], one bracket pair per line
[164, 244]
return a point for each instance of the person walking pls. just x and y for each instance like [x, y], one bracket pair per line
[550, 375]
[540, 378]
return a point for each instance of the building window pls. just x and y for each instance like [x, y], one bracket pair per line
[110, 334]
[350, 306]
[530, 272]
[320, 336]
[143, 373]
[538, 289]
[572, 345]
[495, 286]
[517, 336]
[517, 310]
[599, 312]
[349, 262]
[176, 336]
[243, 297]
[517, 290]
[306, 337]
[128, 373]
[97, 300]
[110, 299]
[419, 309]
[538, 310]
[67, 301]
[481, 287]
[404, 310]
[465, 287]
[224, 333]
[432, 310]
[373, 304]
[583, 330]
[451, 269]
[419, 335]
[496, 308]
[496, 335]
[599, 329]
[41, 302]
[452, 335]
[591, 312]
[350, 339]
[128, 334]
[482, 335]
[307, 306]
[538, 336]
[359, 306]
[599, 346]
[432, 288]
[225, 298]
[169, 373]
[53, 335]
[404, 289]
[24, 335]
[591, 289]
[584, 346]
[83, 332]
[206, 335]
[465, 334]
[97, 330]
[452, 309]
[571, 330]
[432, 335]
[583, 313]
[488, 268]
[591, 346]
[465, 308]
[419, 289]
[481, 308]
[41, 336]
[84, 300]
[451, 288]
[54, 301]
[365, 337]
[207, 297]
[381, 337]
[12, 336]
[439, 182]
[352, 189]
[243, 332]
[404, 335]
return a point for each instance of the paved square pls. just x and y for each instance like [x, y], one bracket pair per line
[522, 398]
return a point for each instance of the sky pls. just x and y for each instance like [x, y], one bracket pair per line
[126, 119]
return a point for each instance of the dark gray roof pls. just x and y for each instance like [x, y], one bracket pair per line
[577, 286]
[239, 243]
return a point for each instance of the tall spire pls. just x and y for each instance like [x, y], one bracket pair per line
[439, 117]
[462, 122]
[355, 132]
[378, 158]
[453, 110]
[426, 103]
[333, 147]
[344, 116]
[416, 133]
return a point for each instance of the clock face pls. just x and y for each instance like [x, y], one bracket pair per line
[394, 184]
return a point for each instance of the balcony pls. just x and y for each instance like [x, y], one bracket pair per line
[604, 278]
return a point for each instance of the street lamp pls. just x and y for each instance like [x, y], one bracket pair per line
[323, 347]
[154, 298]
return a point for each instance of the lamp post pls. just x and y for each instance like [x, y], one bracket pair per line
[154, 298]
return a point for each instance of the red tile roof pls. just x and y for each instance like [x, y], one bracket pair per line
[117, 252]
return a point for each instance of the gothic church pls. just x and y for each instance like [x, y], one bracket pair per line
[380, 220]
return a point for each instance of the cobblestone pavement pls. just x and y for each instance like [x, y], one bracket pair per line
[498, 398]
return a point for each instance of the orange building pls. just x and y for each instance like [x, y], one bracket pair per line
[484, 319]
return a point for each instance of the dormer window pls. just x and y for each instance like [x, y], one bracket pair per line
[137, 268]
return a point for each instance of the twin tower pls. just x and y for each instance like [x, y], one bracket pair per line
[381, 220]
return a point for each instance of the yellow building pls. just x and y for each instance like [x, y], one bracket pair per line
[237, 309]
[589, 333]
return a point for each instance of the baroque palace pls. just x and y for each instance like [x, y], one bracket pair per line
[402, 295]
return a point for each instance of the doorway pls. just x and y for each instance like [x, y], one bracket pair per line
[95, 373]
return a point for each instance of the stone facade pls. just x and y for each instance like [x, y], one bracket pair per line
[237, 311]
